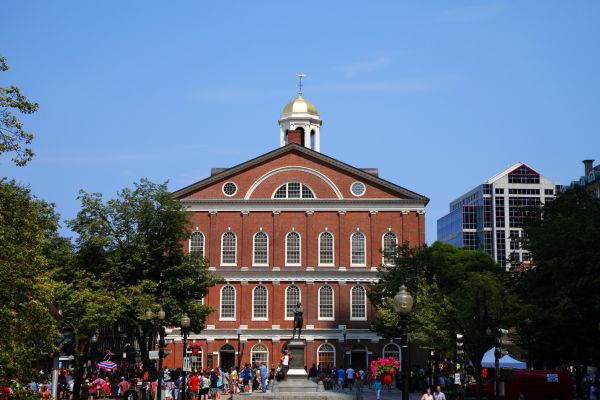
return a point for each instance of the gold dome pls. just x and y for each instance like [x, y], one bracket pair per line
[300, 105]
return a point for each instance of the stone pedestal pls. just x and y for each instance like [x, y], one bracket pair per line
[297, 379]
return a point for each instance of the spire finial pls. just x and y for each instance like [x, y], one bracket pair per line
[300, 77]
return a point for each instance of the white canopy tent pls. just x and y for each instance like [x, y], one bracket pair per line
[488, 361]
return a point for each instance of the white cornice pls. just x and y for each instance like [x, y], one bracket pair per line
[351, 275]
[237, 205]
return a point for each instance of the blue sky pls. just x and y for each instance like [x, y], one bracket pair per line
[438, 95]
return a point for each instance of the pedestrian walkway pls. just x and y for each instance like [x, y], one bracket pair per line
[395, 394]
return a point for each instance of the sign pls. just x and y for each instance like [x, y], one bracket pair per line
[552, 378]
[153, 354]
[187, 364]
[457, 378]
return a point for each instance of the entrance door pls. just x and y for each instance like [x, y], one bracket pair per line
[358, 357]
[226, 357]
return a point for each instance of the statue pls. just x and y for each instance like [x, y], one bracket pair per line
[298, 321]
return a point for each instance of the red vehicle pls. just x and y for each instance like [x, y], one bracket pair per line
[535, 385]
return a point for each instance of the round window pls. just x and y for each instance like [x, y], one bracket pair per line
[229, 189]
[358, 189]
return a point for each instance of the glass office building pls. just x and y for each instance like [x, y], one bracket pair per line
[491, 216]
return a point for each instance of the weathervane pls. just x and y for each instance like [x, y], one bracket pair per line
[300, 76]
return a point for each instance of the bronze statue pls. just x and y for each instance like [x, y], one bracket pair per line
[298, 321]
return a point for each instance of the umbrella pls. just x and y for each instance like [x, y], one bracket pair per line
[107, 365]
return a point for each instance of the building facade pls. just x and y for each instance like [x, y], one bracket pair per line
[491, 216]
[294, 225]
[590, 179]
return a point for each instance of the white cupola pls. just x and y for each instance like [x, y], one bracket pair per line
[301, 115]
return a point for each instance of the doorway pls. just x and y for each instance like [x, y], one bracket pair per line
[226, 357]
[358, 357]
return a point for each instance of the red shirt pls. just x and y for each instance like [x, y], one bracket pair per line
[193, 382]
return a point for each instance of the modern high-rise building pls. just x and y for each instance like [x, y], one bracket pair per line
[491, 216]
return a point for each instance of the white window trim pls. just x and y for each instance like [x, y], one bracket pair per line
[332, 304]
[203, 242]
[383, 246]
[254, 263]
[221, 318]
[200, 353]
[393, 344]
[320, 264]
[261, 318]
[358, 195]
[223, 189]
[294, 198]
[224, 264]
[252, 351]
[351, 248]
[352, 303]
[319, 350]
[299, 249]
[286, 301]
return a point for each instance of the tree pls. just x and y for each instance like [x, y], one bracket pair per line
[561, 289]
[133, 244]
[455, 290]
[13, 139]
[28, 243]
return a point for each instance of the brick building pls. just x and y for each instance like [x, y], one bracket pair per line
[294, 225]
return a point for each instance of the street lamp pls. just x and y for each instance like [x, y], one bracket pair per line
[161, 315]
[403, 303]
[185, 327]
[239, 356]
[345, 332]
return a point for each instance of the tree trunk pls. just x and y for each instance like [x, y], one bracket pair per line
[80, 363]
[142, 339]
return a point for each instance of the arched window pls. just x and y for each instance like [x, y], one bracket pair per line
[228, 248]
[358, 245]
[358, 303]
[326, 355]
[228, 303]
[260, 303]
[196, 359]
[326, 303]
[390, 241]
[197, 243]
[326, 248]
[292, 248]
[294, 190]
[261, 249]
[292, 297]
[259, 354]
[391, 350]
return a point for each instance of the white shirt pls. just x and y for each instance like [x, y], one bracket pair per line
[349, 373]
[286, 360]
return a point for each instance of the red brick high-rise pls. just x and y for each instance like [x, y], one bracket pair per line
[294, 224]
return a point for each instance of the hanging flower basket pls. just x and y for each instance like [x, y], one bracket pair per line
[383, 366]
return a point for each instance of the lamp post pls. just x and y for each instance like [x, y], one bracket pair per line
[239, 356]
[161, 315]
[185, 327]
[403, 303]
[345, 332]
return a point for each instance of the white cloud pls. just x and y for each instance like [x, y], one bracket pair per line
[396, 86]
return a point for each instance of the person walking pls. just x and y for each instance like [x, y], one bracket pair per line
[427, 395]
[350, 377]
[263, 377]
[439, 395]
[377, 386]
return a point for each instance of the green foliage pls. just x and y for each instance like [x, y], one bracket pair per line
[133, 247]
[455, 291]
[28, 239]
[562, 289]
[13, 138]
